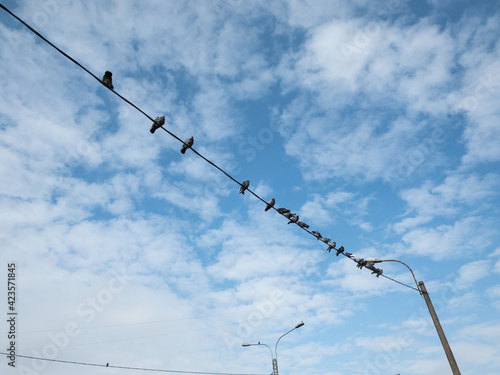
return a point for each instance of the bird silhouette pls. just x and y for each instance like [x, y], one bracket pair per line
[283, 210]
[316, 234]
[187, 144]
[361, 262]
[379, 271]
[340, 250]
[107, 364]
[244, 186]
[107, 80]
[302, 224]
[326, 239]
[294, 219]
[158, 123]
[270, 204]
[288, 215]
[331, 246]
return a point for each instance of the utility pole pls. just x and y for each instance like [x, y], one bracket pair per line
[275, 355]
[275, 366]
[439, 329]
[421, 289]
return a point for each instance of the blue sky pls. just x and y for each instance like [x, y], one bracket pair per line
[376, 124]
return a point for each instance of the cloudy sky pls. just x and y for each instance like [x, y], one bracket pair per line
[377, 124]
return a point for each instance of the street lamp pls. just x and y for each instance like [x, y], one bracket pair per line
[275, 356]
[421, 289]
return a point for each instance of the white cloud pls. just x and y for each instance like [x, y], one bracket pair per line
[481, 84]
[444, 240]
[89, 193]
[411, 222]
[457, 192]
[324, 209]
[446, 199]
[472, 272]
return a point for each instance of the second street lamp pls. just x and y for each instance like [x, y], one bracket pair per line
[274, 356]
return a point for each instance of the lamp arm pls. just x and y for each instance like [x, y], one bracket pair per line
[407, 266]
[276, 346]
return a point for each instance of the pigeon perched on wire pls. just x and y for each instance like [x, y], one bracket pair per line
[326, 240]
[316, 234]
[361, 262]
[270, 204]
[158, 123]
[294, 219]
[331, 246]
[349, 255]
[283, 210]
[187, 144]
[244, 185]
[302, 224]
[107, 80]
[378, 271]
[340, 250]
[288, 215]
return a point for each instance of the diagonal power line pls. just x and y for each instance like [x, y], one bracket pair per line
[348, 255]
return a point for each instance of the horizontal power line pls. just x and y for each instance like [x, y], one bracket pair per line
[125, 367]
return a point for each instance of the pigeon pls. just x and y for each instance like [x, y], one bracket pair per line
[302, 224]
[331, 246]
[244, 186]
[361, 262]
[283, 210]
[187, 144]
[107, 80]
[158, 123]
[288, 215]
[349, 255]
[379, 271]
[107, 364]
[340, 250]
[316, 234]
[326, 240]
[270, 204]
[294, 219]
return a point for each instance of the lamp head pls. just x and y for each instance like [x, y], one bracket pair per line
[372, 261]
[299, 325]
[245, 344]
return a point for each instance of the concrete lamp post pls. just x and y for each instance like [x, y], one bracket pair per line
[421, 288]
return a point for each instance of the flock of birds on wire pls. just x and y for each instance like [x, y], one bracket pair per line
[293, 218]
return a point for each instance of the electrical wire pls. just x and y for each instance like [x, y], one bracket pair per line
[151, 119]
[302, 304]
[125, 367]
[399, 282]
